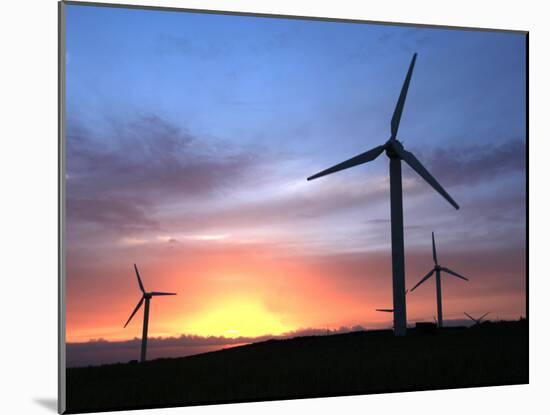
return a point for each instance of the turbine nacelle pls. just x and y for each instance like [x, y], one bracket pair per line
[150, 295]
[394, 148]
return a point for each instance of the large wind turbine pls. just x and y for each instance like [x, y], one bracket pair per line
[477, 321]
[147, 298]
[437, 269]
[395, 151]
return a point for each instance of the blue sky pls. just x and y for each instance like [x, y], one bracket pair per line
[279, 75]
[189, 127]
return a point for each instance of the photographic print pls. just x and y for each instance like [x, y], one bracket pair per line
[262, 207]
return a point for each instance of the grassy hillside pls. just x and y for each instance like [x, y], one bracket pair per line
[354, 363]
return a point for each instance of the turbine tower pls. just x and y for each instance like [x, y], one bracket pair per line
[395, 152]
[437, 269]
[146, 296]
[477, 321]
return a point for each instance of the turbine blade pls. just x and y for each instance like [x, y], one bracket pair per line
[433, 249]
[160, 293]
[135, 311]
[385, 310]
[483, 316]
[428, 275]
[470, 317]
[415, 164]
[139, 279]
[450, 271]
[401, 101]
[354, 161]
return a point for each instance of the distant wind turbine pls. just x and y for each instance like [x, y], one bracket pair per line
[147, 298]
[396, 152]
[477, 321]
[437, 269]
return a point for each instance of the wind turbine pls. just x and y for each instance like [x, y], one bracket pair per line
[147, 298]
[477, 321]
[437, 269]
[396, 152]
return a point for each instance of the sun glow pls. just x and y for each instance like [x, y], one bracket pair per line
[234, 318]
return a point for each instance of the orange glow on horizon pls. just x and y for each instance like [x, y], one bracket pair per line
[234, 318]
[257, 290]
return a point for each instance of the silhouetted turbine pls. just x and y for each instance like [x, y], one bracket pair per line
[396, 152]
[145, 297]
[437, 270]
[477, 321]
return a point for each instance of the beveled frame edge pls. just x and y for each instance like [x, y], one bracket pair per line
[61, 303]
[61, 403]
[291, 17]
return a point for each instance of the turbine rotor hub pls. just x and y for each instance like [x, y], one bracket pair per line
[390, 147]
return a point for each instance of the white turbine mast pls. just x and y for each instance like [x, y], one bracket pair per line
[146, 297]
[437, 269]
[396, 152]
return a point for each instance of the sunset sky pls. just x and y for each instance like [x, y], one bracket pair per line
[189, 140]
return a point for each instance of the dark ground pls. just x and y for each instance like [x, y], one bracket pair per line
[306, 367]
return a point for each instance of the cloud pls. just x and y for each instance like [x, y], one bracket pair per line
[101, 351]
[151, 157]
[474, 164]
[120, 175]
[127, 215]
[309, 201]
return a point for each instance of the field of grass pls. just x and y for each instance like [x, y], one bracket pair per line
[304, 367]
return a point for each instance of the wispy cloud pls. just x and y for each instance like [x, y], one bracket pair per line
[121, 175]
[101, 351]
[470, 165]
